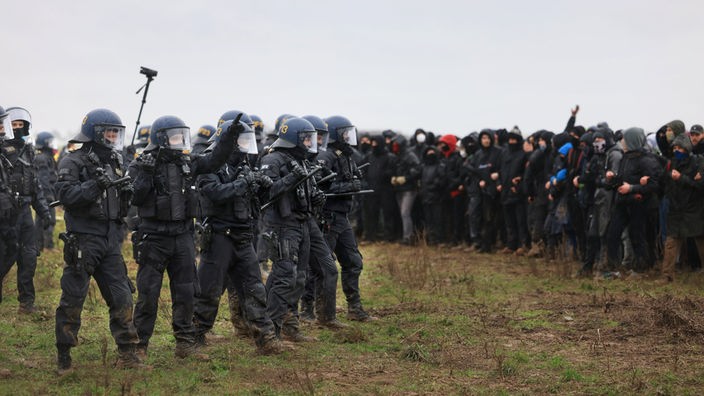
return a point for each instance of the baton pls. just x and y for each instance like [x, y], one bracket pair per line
[349, 194]
[112, 184]
[298, 183]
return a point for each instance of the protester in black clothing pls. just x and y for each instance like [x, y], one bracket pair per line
[636, 182]
[406, 175]
[696, 133]
[433, 188]
[513, 199]
[484, 205]
[455, 199]
[380, 207]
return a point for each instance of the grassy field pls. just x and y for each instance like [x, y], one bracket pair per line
[449, 323]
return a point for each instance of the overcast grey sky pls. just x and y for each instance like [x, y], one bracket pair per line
[446, 66]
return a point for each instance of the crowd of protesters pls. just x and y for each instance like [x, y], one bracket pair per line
[618, 201]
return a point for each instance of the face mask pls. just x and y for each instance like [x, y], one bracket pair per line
[444, 149]
[420, 138]
[542, 146]
[463, 152]
[680, 155]
[514, 146]
[599, 147]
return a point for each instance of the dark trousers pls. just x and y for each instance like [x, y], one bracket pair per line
[236, 263]
[102, 256]
[341, 241]
[631, 215]
[45, 235]
[433, 215]
[516, 221]
[22, 240]
[491, 211]
[474, 211]
[379, 210]
[176, 255]
[287, 278]
[321, 284]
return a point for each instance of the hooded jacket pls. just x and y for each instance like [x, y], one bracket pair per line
[453, 162]
[407, 165]
[486, 161]
[685, 195]
[433, 182]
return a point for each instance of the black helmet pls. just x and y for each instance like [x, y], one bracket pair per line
[143, 134]
[20, 114]
[44, 140]
[205, 133]
[297, 132]
[280, 120]
[246, 141]
[341, 130]
[169, 132]
[322, 128]
[232, 114]
[258, 123]
[101, 126]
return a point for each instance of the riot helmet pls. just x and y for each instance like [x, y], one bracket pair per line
[143, 135]
[246, 141]
[322, 128]
[169, 132]
[297, 132]
[205, 133]
[232, 114]
[20, 120]
[45, 140]
[101, 126]
[340, 129]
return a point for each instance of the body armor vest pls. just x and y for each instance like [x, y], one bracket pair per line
[238, 208]
[174, 198]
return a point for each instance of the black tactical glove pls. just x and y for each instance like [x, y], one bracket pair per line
[46, 221]
[236, 128]
[317, 198]
[356, 184]
[148, 163]
[297, 170]
[264, 181]
[103, 181]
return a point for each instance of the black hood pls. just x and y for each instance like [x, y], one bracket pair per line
[487, 132]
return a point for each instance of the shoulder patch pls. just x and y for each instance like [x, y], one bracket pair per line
[64, 171]
[265, 166]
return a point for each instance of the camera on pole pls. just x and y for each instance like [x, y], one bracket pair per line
[150, 74]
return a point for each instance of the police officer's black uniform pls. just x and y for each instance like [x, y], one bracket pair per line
[93, 207]
[163, 177]
[289, 222]
[228, 201]
[19, 161]
[338, 231]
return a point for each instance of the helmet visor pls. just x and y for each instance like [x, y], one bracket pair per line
[6, 131]
[323, 141]
[112, 136]
[247, 142]
[308, 140]
[348, 135]
[177, 138]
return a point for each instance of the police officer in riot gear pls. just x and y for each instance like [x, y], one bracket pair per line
[288, 221]
[47, 176]
[337, 228]
[318, 300]
[166, 200]
[9, 205]
[228, 201]
[19, 162]
[94, 201]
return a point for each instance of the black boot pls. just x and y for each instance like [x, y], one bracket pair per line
[63, 360]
